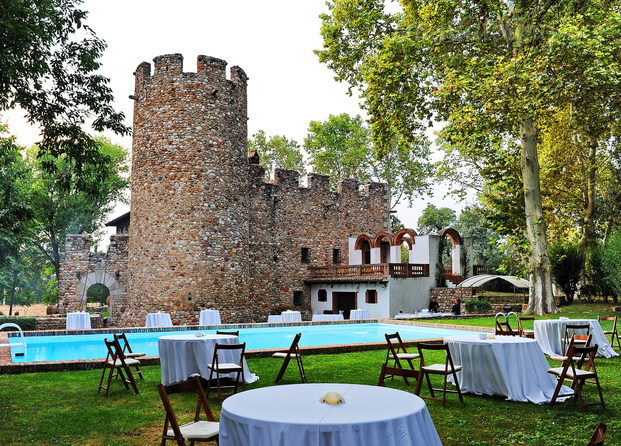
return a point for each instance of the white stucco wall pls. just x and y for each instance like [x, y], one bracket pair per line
[379, 310]
[408, 295]
[420, 250]
[355, 255]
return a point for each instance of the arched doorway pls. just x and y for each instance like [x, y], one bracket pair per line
[363, 243]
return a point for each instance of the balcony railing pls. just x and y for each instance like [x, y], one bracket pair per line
[379, 269]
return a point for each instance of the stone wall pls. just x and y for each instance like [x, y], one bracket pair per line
[206, 229]
[446, 299]
[80, 269]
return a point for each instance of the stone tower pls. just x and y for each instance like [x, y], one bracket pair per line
[189, 215]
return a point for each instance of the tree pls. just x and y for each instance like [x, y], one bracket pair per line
[49, 67]
[567, 265]
[276, 152]
[611, 262]
[434, 219]
[60, 211]
[342, 148]
[489, 69]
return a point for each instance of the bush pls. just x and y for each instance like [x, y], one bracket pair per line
[567, 264]
[26, 323]
[478, 306]
[279, 309]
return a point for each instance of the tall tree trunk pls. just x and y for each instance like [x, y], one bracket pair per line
[541, 298]
[588, 221]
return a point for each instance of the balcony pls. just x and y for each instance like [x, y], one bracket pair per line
[379, 270]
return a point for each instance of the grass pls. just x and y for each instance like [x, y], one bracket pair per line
[64, 408]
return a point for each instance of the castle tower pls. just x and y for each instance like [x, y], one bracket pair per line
[189, 216]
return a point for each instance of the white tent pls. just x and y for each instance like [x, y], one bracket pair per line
[476, 281]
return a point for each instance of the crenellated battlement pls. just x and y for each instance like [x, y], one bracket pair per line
[288, 181]
[210, 72]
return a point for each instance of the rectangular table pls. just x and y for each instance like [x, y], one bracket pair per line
[294, 415]
[184, 355]
[327, 317]
[291, 316]
[358, 314]
[509, 366]
[549, 334]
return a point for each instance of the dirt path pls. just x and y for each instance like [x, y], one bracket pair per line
[32, 310]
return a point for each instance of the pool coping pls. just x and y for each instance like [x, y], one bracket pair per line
[7, 366]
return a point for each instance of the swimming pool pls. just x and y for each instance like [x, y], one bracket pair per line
[91, 346]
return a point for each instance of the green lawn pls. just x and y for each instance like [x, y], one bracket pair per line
[64, 408]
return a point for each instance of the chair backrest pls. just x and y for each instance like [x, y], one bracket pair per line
[122, 338]
[193, 385]
[503, 328]
[294, 348]
[328, 312]
[231, 333]
[229, 347]
[395, 344]
[448, 363]
[115, 351]
[609, 318]
[523, 318]
[574, 329]
[578, 356]
[598, 437]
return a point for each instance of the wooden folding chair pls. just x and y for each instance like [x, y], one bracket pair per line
[504, 329]
[614, 334]
[197, 430]
[570, 331]
[117, 363]
[220, 366]
[127, 351]
[231, 333]
[576, 340]
[294, 352]
[598, 437]
[397, 352]
[526, 333]
[446, 369]
[572, 372]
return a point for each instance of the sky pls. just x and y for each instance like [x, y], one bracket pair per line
[271, 40]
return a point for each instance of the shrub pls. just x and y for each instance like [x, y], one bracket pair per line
[478, 306]
[279, 309]
[567, 261]
[26, 323]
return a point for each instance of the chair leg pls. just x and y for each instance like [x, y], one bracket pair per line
[131, 380]
[110, 374]
[433, 395]
[283, 367]
[461, 398]
[103, 374]
[301, 369]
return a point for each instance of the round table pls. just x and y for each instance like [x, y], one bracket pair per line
[293, 415]
[291, 316]
[210, 317]
[158, 320]
[187, 354]
[327, 317]
[358, 314]
[549, 334]
[78, 321]
[510, 366]
[274, 318]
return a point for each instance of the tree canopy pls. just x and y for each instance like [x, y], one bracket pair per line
[491, 70]
[276, 152]
[49, 66]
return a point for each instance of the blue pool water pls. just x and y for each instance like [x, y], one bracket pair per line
[62, 348]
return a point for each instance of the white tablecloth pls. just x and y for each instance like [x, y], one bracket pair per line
[274, 318]
[210, 317]
[327, 317]
[510, 366]
[158, 320]
[291, 316]
[359, 314]
[184, 355]
[78, 321]
[292, 415]
[423, 315]
[549, 334]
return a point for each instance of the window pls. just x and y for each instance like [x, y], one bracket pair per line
[297, 298]
[371, 296]
[336, 255]
[322, 296]
[305, 252]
